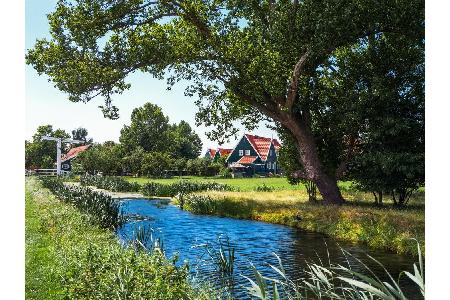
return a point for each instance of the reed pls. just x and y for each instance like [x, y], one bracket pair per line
[110, 183]
[101, 208]
[335, 282]
[184, 187]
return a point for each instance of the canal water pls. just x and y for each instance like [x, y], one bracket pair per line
[185, 234]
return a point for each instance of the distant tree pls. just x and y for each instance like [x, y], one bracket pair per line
[155, 163]
[132, 162]
[149, 129]
[81, 134]
[105, 158]
[185, 143]
[41, 153]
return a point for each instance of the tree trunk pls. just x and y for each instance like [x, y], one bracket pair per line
[309, 159]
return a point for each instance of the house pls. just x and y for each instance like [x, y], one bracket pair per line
[215, 154]
[67, 158]
[255, 154]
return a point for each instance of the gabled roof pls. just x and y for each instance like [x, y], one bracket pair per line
[212, 152]
[224, 151]
[262, 144]
[74, 152]
[247, 159]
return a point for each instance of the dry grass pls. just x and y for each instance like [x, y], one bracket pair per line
[357, 221]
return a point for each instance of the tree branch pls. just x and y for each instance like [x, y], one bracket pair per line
[293, 86]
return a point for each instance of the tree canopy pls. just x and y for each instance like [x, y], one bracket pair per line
[81, 134]
[246, 60]
[150, 130]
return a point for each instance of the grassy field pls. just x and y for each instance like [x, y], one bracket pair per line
[282, 187]
[357, 221]
[69, 258]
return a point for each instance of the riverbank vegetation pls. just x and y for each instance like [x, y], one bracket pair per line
[357, 221]
[68, 257]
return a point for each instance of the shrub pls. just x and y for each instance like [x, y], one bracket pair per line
[264, 188]
[184, 187]
[103, 209]
[115, 184]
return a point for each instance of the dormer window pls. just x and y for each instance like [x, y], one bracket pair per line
[241, 152]
[247, 152]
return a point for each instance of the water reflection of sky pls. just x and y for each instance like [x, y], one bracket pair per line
[255, 242]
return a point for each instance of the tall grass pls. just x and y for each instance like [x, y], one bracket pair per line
[380, 228]
[110, 183]
[222, 254]
[102, 209]
[335, 282]
[184, 187]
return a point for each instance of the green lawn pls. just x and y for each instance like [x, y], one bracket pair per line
[244, 184]
[281, 184]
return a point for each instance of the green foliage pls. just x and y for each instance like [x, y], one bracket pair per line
[184, 142]
[81, 134]
[245, 61]
[334, 282]
[184, 187]
[105, 158]
[41, 154]
[264, 188]
[222, 254]
[102, 209]
[132, 161]
[155, 163]
[151, 131]
[115, 184]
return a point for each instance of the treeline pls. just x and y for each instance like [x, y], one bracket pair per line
[149, 146]
[112, 159]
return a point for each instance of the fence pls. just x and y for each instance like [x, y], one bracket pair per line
[44, 172]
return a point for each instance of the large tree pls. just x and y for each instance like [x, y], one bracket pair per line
[149, 129]
[245, 59]
[184, 142]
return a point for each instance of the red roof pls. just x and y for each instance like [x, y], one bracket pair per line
[262, 144]
[247, 159]
[74, 152]
[224, 151]
[212, 152]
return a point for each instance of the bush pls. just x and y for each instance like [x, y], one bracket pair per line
[264, 188]
[114, 184]
[184, 187]
[103, 209]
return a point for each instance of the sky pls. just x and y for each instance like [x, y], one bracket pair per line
[45, 104]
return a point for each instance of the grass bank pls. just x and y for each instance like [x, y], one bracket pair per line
[357, 221]
[67, 257]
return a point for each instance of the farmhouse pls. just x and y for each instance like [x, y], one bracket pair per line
[67, 158]
[255, 154]
[215, 154]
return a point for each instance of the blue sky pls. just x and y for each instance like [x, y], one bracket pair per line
[47, 105]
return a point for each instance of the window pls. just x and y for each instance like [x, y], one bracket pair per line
[270, 152]
[269, 165]
[241, 152]
[247, 152]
